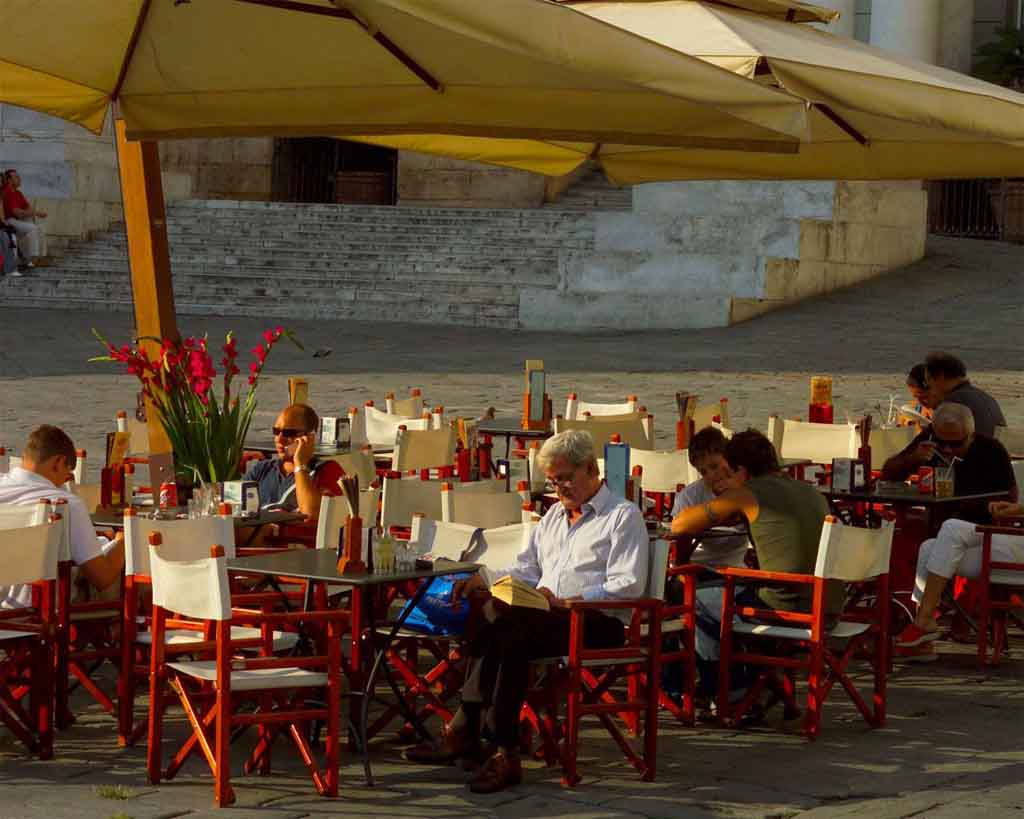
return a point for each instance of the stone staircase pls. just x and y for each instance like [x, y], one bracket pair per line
[593, 192]
[432, 265]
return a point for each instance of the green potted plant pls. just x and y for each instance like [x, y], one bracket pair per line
[1002, 60]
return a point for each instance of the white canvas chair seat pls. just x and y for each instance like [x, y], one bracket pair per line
[637, 432]
[281, 640]
[818, 443]
[1006, 577]
[423, 449]
[640, 653]
[14, 635]
[256, 679]
[663, 470]
[843, 630]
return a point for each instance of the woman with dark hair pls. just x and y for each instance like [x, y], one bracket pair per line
[917, 383]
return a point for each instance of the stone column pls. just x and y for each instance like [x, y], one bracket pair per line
[908, 27]
[847, 22]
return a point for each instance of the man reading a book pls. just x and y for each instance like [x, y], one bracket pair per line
[589, 546]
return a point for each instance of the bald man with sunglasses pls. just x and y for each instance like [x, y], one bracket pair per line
[980, 464]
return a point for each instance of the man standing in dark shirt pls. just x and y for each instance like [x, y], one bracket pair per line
[947, 382]
[980, 464]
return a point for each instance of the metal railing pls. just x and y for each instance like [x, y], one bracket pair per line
[977, 208]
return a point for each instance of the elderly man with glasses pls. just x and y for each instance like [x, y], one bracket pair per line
[980, 464]
[294, 479]
[589, 546]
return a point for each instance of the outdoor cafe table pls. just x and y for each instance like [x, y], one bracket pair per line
[114, 518]
[908, 537]
[509, 428]
[320, 566]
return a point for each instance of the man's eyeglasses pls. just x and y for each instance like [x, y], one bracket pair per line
[287, 432]
[944, 443]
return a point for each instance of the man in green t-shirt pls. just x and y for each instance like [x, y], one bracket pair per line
[785, 518]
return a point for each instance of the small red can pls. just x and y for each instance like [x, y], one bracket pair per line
[168, 496]
[926, 480]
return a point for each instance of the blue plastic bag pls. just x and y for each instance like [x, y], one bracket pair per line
[434, 613]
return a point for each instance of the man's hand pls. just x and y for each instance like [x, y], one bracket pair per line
[305, 446]
[554, 601]
[923, 452]
[1005, 509]
[464, 588]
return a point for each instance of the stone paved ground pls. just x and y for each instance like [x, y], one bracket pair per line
[952, 749]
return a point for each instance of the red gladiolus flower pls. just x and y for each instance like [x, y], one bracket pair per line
[252, 380]
[254, 368]
[259, 352]
[268, 335]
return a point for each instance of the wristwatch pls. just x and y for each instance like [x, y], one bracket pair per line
[302, 468]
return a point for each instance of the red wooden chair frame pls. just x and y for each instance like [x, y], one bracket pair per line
[584, 677]
[209, 705]
[27, 669]
[825, 667]
[995, 611]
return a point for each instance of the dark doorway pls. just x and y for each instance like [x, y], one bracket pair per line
[322, 170]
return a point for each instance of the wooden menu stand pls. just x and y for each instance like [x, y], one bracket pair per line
[351, 560]
[536, 402]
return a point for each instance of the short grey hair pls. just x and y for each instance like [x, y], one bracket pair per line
[575, 445]
[952, 413]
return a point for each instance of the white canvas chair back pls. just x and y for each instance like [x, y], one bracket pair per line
[657, 569]
[1010, 437]
[574, 408]
[638, 432]
[359, 464]
[138, 438]
[726, 431]
[663, 470]
[411, 407]
[18, 516]
[852, 553]
[423, 449]
[30, 553]
[538, 481]
[371, 425]
[1018, 472]
[334, 511]
[13, 462]
[888, 442]
[481, 509]
[705, 416]
[181, 540]
[819, 443]
[89, 493]
[449, 541]
[402, 498]
[194, 588]
[498, 548]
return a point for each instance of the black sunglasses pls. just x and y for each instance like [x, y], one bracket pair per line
[287, 432]
[943, 443]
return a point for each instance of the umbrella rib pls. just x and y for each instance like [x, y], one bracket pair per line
[130, 51]
[842, 124]
[379, 37]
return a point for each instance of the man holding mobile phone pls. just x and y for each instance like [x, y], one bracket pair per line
[294, 479]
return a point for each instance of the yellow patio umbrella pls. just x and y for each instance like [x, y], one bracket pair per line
[792, 11]
[514, 68]
[872, 114]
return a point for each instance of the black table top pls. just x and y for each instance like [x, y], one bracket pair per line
[908, 497]
[322, 565]
[510, 426]
[114, 518]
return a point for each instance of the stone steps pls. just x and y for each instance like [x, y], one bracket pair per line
[329, 261]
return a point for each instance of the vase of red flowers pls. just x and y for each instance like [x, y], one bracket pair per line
[206, 425]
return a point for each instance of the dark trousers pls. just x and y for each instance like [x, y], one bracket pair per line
[501, 653]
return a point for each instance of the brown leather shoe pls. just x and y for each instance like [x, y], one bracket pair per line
[452, 745]
[500, 771]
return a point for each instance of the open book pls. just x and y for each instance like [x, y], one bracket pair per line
[517, 593]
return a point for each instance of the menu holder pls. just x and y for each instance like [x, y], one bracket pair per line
[351, 560]
[536, 403]
[298, 391]
[616, 468]
[686, 404]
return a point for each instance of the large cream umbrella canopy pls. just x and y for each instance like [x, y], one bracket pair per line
[516, 68]
[872, 114]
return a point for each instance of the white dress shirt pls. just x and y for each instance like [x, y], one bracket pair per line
[23, 488]
[712, 551]
[603, 555]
